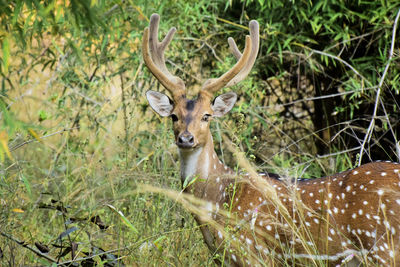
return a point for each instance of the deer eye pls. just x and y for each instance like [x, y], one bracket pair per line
[174, 117]
[206, 117]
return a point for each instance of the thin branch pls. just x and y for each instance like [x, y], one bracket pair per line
[340, 60]
[43, 137]
[378, 93]
[34, 250]
[314, 98]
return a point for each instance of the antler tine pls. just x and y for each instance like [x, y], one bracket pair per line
[245, 61]
[255, 38]
[153, 55]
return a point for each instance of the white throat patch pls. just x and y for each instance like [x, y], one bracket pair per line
[189, 163]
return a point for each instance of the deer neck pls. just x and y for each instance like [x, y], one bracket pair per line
[203, 164]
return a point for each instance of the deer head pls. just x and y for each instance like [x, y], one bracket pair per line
[191, 117]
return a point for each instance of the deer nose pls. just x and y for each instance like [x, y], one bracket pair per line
[185, 140]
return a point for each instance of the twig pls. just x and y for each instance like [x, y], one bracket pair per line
[378, 93]
[34, 250]
[314, 98]
[341, 60]
[43, 137]
[67, 263]
[184, 71]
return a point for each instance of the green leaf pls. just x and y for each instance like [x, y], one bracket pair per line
[6, 53]
[158, 241]
[27, 185]
[123, 218]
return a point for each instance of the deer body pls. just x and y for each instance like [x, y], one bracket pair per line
[355, 213]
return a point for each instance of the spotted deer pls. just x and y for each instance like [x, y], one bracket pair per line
[350, 217]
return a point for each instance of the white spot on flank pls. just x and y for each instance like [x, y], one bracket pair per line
[348, 188]
[268, 227]
[354, 215]
[372, 181]
[360, 211]
[219, 235]
[373, 234]
[380, 192]
[396, 170]
[234, 257]
[383, 173]
[368, 172]
[340, 183]
[355, 172]
[218, 179]
[365, 202]
[398, 201]
[311, 194]
[332, 231]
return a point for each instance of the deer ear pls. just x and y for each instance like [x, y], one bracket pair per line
[160, 103]
[223, 104]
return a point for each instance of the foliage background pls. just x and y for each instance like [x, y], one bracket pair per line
[76, 133]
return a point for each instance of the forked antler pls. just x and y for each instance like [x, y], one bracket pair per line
[153, 55]
[245, 62]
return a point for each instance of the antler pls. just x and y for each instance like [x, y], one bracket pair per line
[245, 62]
[153, 55]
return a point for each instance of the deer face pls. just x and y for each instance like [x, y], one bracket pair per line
[191, 118]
